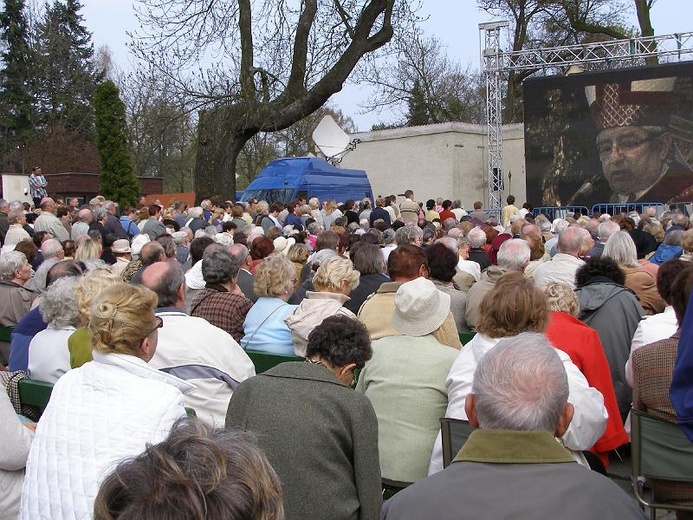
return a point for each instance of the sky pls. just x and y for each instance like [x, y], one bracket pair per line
[453, 22]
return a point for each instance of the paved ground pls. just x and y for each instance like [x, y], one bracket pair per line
[619, 471]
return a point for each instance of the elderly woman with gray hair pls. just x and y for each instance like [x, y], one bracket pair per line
[621, 248]
[49, 357]
[370, 264]
[221, 302]
[15, 299]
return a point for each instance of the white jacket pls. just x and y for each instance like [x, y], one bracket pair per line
[193, 349]
[16, 441]
[98, 414]
[589, 418]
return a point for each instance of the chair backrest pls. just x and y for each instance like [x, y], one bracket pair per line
[264, 361]
[6, 334]
[466, 337]
[660, 449]
[34, 393]
[454, 433]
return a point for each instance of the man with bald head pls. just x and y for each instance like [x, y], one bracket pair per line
[48, 222]
[151, 253]
[565, 263]
[81, 227]
[192, 349]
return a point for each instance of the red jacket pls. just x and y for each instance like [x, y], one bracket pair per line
[582, 344]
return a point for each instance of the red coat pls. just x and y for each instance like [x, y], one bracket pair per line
[582, 344]
[445, 214]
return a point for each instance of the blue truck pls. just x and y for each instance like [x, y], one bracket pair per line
[284, 180]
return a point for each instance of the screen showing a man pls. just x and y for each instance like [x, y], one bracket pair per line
[610, 136]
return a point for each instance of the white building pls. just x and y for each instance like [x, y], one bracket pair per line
[444, 160]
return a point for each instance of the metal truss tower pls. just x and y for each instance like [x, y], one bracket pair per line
[495, 64]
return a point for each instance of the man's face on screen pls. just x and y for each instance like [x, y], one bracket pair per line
[632, 157]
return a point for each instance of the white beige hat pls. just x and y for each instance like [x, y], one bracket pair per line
[282, 244]
[420, 308]
[121, 246]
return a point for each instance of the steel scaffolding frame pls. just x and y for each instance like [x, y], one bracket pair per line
[495, 63]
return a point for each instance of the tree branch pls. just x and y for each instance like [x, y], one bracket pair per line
[296, 83]
[246, 38]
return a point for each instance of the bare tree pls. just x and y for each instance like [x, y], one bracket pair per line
[546, 23]
[424, 86]
[258, 66]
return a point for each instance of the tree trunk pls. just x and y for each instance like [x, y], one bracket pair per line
[218, 147]
[642, 8]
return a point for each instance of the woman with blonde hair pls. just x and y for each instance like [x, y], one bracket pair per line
[514, 305]
[103, 411]
[88, 249]
[333, 281]
[264, 328]
[87, 289]
[298, 254]
[330, 213]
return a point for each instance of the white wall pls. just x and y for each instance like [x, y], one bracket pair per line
[446, 160]
[16, 187]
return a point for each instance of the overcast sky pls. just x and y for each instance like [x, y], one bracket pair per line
[454, 22]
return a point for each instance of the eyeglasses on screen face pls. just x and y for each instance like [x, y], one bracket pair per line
[627, 143]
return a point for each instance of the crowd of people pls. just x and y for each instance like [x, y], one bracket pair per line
[141, 316]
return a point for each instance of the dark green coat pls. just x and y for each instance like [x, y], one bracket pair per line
[320, 436]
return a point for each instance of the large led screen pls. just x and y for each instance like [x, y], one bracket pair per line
[623, 135]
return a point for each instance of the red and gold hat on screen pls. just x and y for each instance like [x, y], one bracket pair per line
[642, 102]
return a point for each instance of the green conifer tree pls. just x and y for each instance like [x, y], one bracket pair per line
[117, 180]
[16, 102]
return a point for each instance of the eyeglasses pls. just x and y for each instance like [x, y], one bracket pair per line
[626, 143]
[159, 323]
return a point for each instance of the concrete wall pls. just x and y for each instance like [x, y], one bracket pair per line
[444, 160]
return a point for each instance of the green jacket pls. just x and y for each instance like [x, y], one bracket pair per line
[320, 436]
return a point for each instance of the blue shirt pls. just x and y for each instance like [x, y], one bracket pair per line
[264, 328]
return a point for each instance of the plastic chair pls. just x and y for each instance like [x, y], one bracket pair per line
[659, 450]
[454, 433]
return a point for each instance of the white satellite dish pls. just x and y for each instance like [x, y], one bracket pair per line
[332, 141]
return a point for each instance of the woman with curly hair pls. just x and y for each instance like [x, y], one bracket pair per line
[264, 328]
[320, 436]
[582, 344]
[103, 411]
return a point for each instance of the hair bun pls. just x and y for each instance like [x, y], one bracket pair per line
[106, 310]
